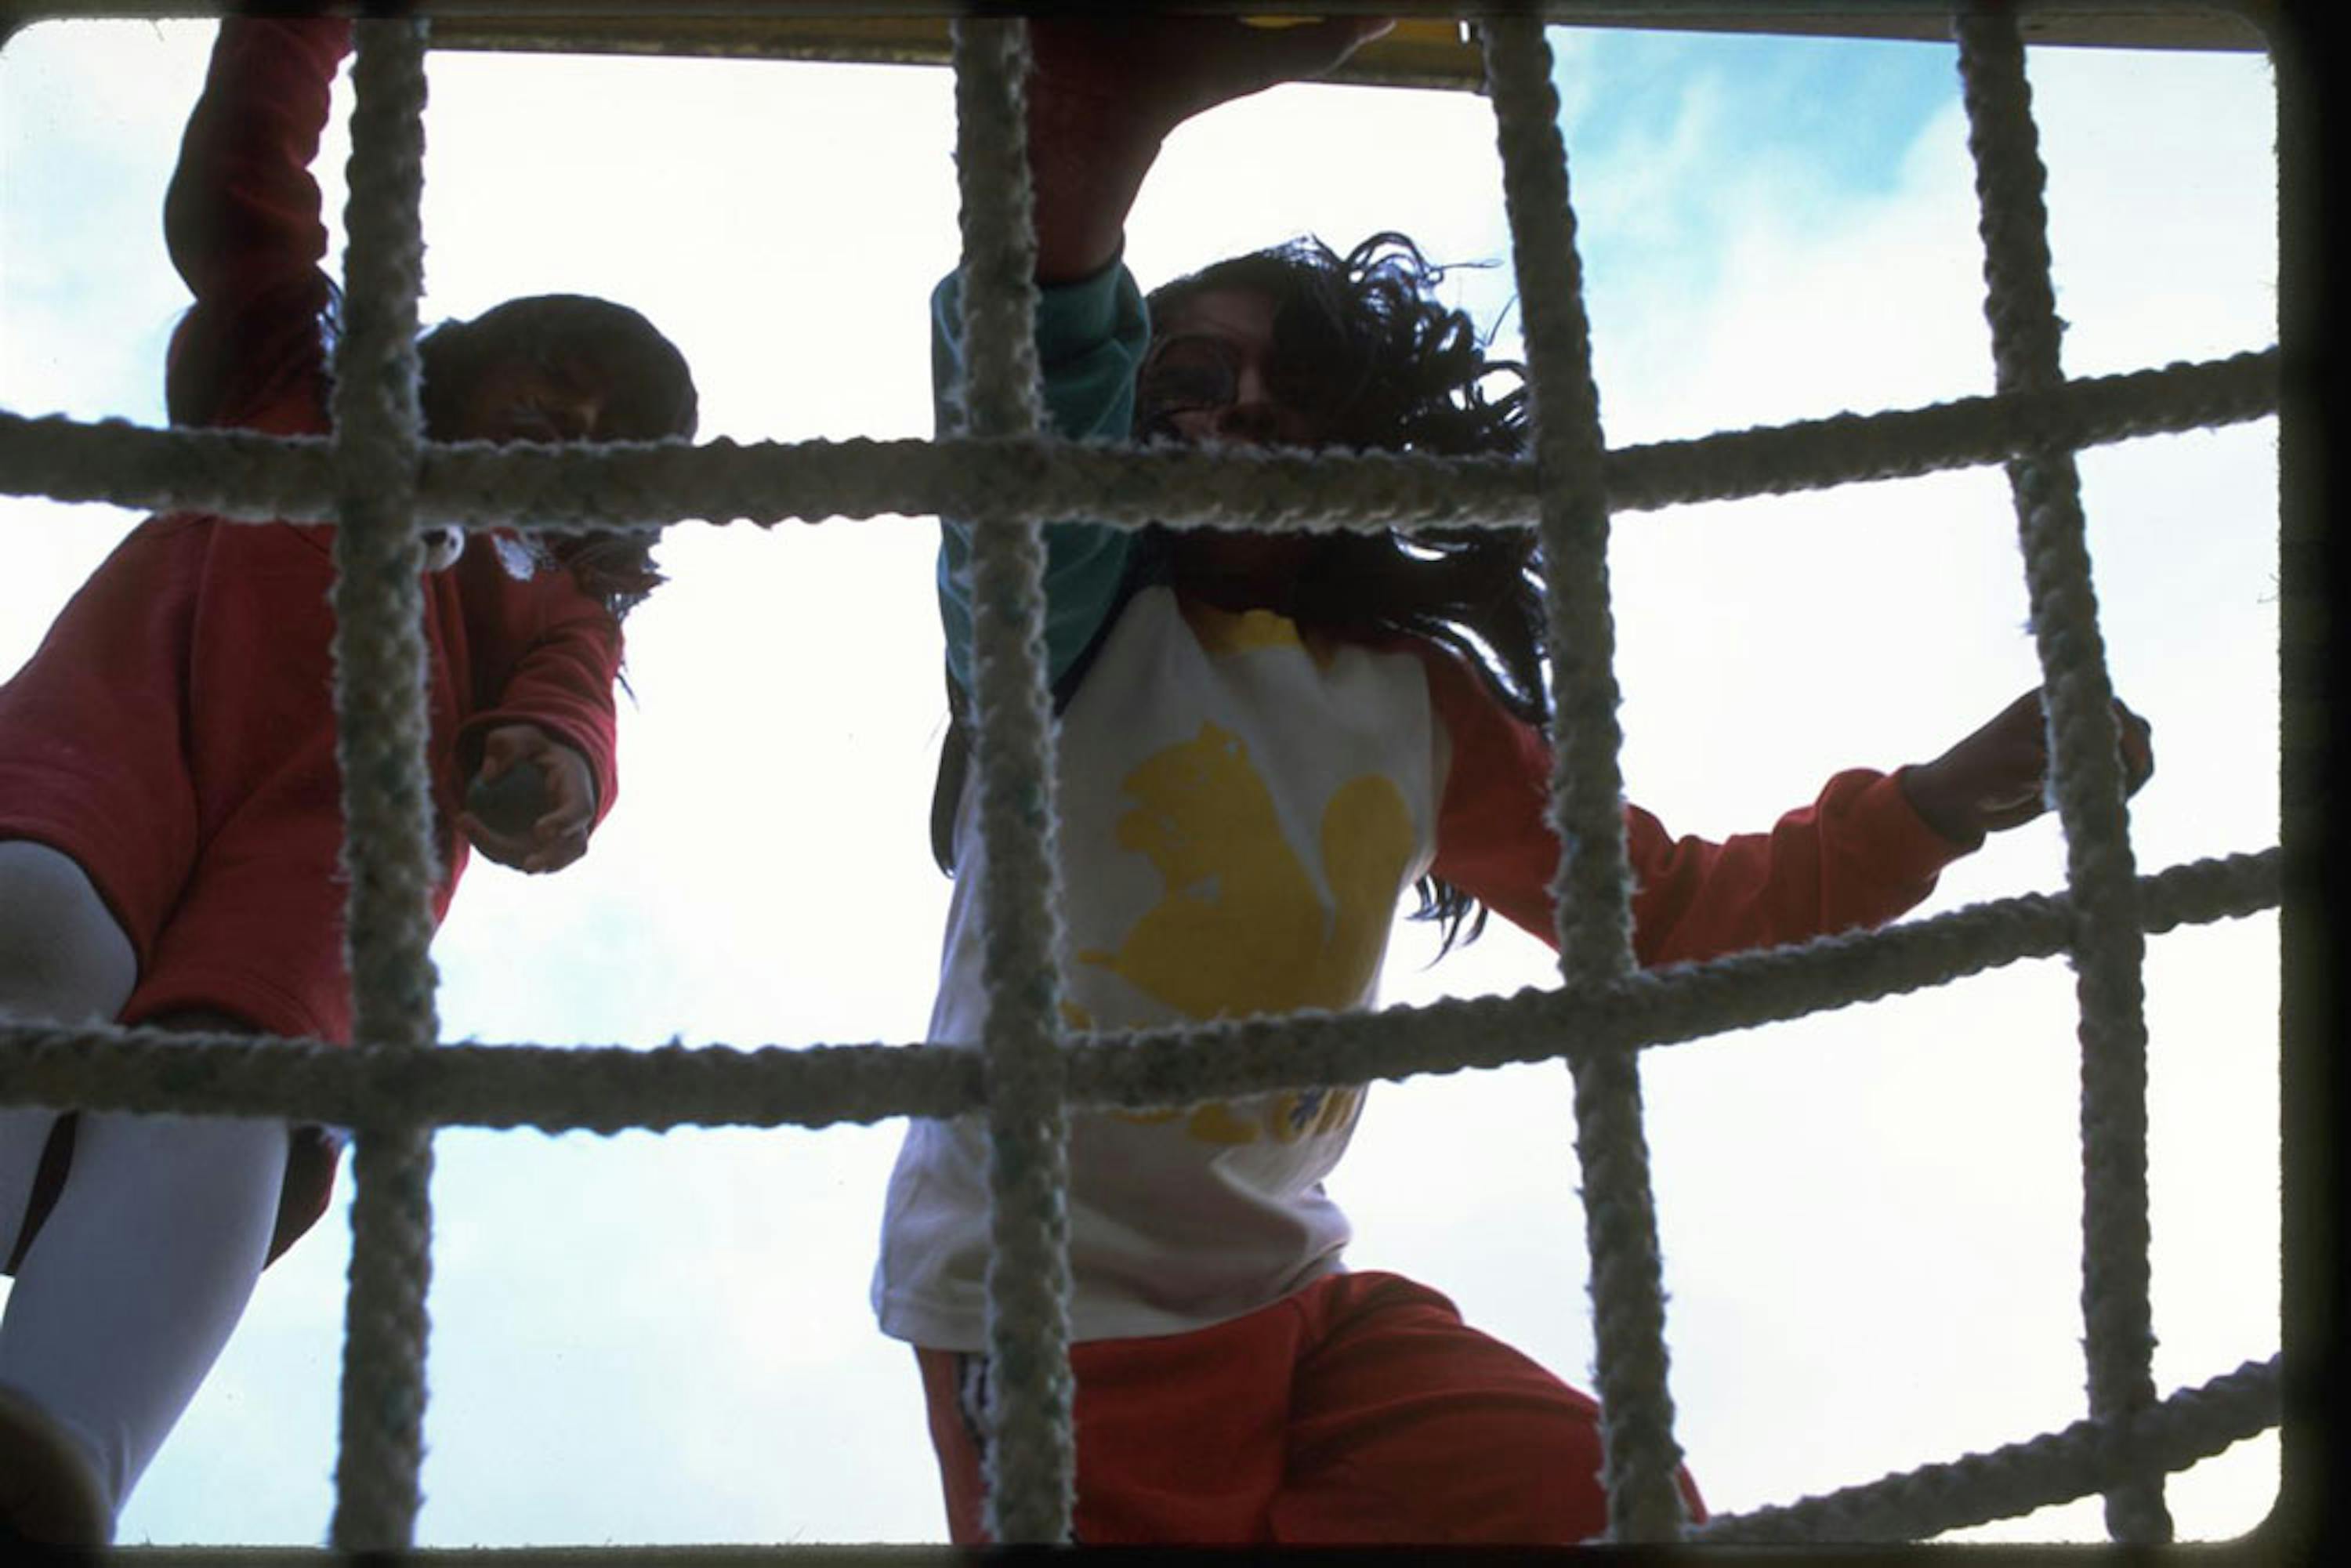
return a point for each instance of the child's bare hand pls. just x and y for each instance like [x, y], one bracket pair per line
[1998, 777]
[1103, 94]
[531, 830]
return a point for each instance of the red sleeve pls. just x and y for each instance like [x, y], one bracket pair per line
[544, 652]
[1858, 856]
[242, 219]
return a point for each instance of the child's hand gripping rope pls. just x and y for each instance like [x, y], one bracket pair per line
[1998, 778]
[532, 801]
[1104, 94]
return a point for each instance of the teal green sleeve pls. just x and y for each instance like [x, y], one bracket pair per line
[1091, 336]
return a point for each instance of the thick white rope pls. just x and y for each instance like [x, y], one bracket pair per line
[2084, 760]
[1592, 893]
[610, 1088]
[1030, 1468]
[383, 730]
[238, 474]
[2191, 1426]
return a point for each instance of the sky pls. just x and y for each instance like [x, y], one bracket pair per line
[1870, 1218]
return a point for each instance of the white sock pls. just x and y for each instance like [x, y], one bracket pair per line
[139, 1275]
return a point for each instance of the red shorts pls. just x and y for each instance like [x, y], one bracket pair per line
[1361, 1409]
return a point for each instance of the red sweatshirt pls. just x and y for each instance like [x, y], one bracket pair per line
[175, 732]
[1858, 856]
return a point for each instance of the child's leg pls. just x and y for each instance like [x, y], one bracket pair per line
[146, 1261]
[1408, 1426]
[62, 958]
[140, 1273]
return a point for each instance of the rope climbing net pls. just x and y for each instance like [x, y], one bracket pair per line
[383, 481]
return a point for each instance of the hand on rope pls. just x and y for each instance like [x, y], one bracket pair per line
[531, 802]
[1103, 94]
[1998, 778]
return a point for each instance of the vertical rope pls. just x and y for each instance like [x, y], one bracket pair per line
[1030, 1489]
[382, 733]
[2108, 945]
[1591, 896]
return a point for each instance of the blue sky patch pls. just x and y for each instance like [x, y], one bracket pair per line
[1848, 107]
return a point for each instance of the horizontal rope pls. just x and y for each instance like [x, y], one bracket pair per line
[609, 1088]
[2086, 1458]
[228, 473]
[1655, 1007]
[240, 474]
[1848, 448]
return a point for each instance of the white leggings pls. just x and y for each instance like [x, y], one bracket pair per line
[144, 1265]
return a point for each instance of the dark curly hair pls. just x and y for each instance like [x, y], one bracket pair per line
[653, 399]
[653, 393]
[1362, 340]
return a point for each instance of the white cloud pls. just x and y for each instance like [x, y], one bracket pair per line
[2163, 223]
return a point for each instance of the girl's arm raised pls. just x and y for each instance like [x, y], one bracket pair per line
[1101, 96]
[1089, 342]
[241, 219]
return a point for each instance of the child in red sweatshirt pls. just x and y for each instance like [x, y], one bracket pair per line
[170, 802]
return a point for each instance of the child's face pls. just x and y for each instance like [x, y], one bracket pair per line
[1206, 376]
[1206, 380]
[517, 399]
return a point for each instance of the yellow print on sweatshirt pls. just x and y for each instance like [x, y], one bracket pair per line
[1242, 927]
